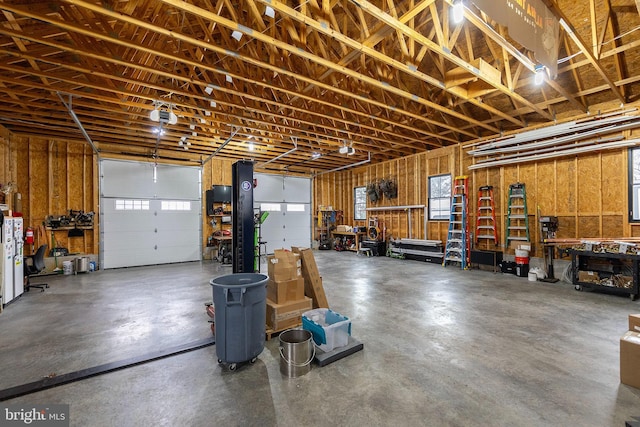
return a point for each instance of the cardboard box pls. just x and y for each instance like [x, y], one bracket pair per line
[287, 315]
[588, 276]
[630, 359]
[634, 322]
[284, 265]
[312, 280]
[285, 291]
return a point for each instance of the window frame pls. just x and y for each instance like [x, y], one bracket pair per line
[360, 206]
[634, 187]
[439, 198]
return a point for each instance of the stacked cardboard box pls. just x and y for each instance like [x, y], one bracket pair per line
[285, 291]
[630, 353]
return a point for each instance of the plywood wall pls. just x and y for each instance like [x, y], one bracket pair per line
[52, 177]
[588, 193]
[411, 174]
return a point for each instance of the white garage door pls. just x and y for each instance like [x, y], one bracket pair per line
[288, 200]
[149, 217]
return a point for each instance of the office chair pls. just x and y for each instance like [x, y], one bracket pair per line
[35, 266]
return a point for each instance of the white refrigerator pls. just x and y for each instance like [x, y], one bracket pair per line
[11, 265]
[18, 257]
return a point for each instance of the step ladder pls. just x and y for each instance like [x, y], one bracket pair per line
[517, 217]
[458, 246]
[486, 230]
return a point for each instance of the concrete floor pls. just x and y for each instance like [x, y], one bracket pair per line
[443, 347]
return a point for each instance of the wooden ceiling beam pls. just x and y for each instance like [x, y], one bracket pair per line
[314, 58]
[376, 12]
[168, 90]
[409, 69]
[570, 31]
[252, 61]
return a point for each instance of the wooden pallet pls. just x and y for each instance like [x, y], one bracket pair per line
[271, 333]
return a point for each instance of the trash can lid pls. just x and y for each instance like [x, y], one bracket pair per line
[239, 279]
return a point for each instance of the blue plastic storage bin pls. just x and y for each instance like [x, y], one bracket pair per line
[329, 329]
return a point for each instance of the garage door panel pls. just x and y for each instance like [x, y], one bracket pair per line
[284, 228]
[297, 190]
[140, 232]
[269, 188]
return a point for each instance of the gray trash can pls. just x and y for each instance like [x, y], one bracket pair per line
[240, 302]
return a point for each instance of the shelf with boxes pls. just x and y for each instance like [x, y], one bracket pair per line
[219, 235]
[347, 238]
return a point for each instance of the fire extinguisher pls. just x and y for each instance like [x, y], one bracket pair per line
[28, 238]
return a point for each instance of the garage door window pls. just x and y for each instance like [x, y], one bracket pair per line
[270, 207]
[295, 207]
[175, 205]
[132, 205]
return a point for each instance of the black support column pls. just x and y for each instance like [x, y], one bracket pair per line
[242, 215]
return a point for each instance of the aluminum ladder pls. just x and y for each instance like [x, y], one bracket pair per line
[458, 247]
[517, 217]
[486, 230]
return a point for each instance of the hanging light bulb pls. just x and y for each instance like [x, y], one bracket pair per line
[539, 77]
[458, 11]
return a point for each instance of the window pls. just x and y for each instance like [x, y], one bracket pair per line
[360, 203]
[132, 205]
[270, 207]
[634, 184]
[439, 197]
[295, 207]
[175, 205]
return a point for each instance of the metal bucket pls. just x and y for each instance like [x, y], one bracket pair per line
[81, 264]
[296, 352]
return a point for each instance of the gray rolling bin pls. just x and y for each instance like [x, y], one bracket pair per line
[240, 302]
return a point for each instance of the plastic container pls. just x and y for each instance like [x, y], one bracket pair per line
[67, 267]
[532, 277]
[521, 253]
[522, 270]
[522, 260]
[240, 306]
[329, 329]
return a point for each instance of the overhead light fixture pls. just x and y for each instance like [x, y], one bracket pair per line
[207, 113]
[351, 151]
[270, 12]
[194, 133]
[213, 104]
[192, 126]
[208, 90]
[158, 131]
[236, 35]
[343, 150]
[251, 146]
[228, 78]
[163, 116]
[539, 77]
[458, 11]
[315, 155]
